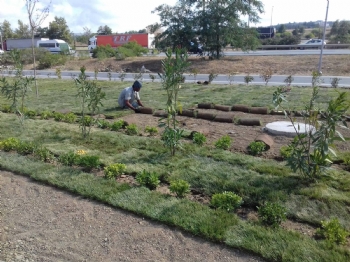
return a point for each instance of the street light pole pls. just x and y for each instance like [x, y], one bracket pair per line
[323, 38]
[271, 23]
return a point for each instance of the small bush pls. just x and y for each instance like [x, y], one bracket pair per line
[25, 148]
[272, 214]
[68, 159]
[86, 121]
[89, 162]
[248, 79]
[199, 138]
[49, 60]
[179, 187]
[256, 148]
[114, 170]
[132, 129]
[151, 130]
[43, 154]
[46, 115]
[58, 116]
[223, 142]
[332, 231]
[30, 113]
[286, 151]
[103, 124]
[148, 179]
[69, 118]
[10, 144]
[115, 126]
[7, 109]
[102, 52]
[228, 201]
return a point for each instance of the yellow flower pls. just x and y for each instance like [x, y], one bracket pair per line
[81, 152]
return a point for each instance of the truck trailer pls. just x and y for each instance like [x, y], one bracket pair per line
[145, 40]
[21, 43]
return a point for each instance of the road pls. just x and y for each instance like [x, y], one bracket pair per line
[220, 79]
[288, 52]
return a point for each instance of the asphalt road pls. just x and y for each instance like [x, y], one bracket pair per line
[288, 52]
[220, 79]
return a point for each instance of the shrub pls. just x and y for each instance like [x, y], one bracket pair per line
[248, 79]
[46, 115]
[286, 151]
[199, 138]
[132, 48]
[58, 116]
[43, 154]
[223, 142]
[332, 231]
[49, 60]
[227, 200]
[151, 130]
[89, 162]
[30, 113]
[132, 129]
[9, 144]
[256, 148]
[86, 121]
[25, 148]
[68, 159]
[179, 187]
[272, 214]
[69, 118]
[102, 52]
[117, 125]
[114, 170]
[7, 109]
[148, 179]
[103, 124]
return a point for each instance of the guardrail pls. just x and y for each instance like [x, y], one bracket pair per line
[303, 46]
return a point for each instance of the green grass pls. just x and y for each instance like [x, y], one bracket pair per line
[206, 169]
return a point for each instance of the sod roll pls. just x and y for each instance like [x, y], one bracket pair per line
[266, 139]
[259, 110]
[249, 122]
[190, 113]
[207, 116]
[241, 108]
[206, 105]
[160, 113]
[222, 108]
[279, 112]
[145, 110]
[224, 118]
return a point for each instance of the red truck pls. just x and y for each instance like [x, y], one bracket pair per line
[145, 40]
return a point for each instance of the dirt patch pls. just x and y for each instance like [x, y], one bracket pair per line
[41, 223]
[333, 65]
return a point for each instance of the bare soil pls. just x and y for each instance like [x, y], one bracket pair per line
[332, 65]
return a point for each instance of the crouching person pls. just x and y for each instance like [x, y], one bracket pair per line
[130, 97]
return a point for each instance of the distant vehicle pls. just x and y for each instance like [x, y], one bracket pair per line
[55, 46]
[312, 43]
[266, 32]
[21, 43]
[145, 40]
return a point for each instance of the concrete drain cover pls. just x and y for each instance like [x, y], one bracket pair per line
[285, 128]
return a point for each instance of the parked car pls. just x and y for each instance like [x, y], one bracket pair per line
[312, 43]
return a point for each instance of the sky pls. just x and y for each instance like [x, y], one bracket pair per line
[126, 15]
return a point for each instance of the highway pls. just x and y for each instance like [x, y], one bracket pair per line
[276, 80]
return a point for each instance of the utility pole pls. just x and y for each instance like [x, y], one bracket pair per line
[271, 23]
[323, 38]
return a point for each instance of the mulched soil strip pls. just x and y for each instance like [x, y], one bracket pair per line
[249, 122]
[145, 110]
[222, 108]
[241, 108]
[208, 116]
[224, 119]
[266, 139]
[206, 106]
[259, 110]
[160, 113]
[190, 113]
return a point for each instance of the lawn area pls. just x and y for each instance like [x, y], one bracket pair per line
[207, 169]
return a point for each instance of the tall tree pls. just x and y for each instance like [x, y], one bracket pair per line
[36, 17]
[58, 29]
[216, 23]
[104, 30]
[84, 38]
[282, 29]
[6, 30]
[23, 30]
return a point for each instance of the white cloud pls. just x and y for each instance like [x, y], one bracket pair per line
[126, 15]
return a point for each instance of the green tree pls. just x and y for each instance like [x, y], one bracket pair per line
[341, 31]
[216, 23]
[6, 30]
[23, 30]
[281, 29]
[58, 29]
[104, 30]
[84, 38]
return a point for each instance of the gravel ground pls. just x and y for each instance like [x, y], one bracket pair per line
[41, 223]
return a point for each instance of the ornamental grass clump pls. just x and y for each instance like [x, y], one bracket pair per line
[228, 201]
[114, 170]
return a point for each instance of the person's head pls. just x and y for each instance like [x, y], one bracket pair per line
[137, 86]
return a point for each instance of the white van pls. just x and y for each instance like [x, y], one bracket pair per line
[55, 46]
